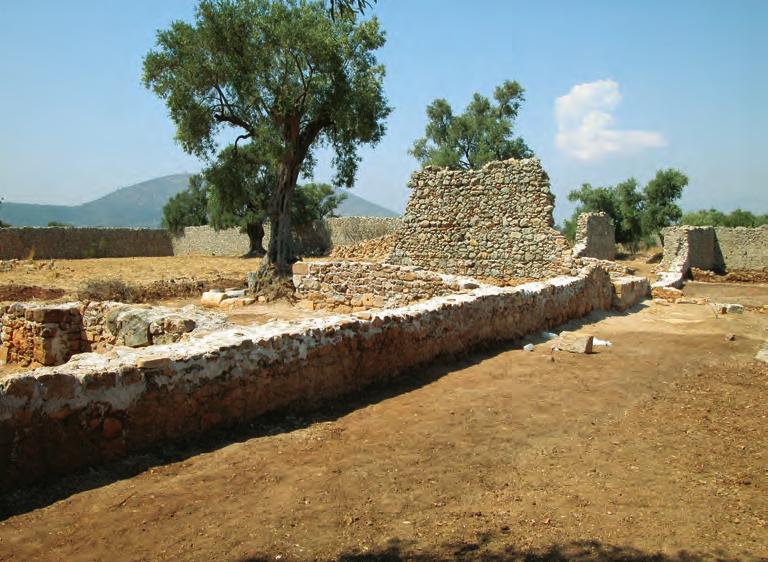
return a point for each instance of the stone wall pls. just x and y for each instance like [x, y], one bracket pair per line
[97, 408]
[78, 243]
[595, 237]
[493, 222]
[33, 334]
[743, 249]
[347, 286]
[312, 241]
[711, 248]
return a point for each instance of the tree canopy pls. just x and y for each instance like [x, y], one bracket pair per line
[281, 76]
[187, 208]
[713, 217]
[484, 132]
[636, 214]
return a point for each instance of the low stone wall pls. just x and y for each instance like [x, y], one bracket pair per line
[96, 408]
[595, 237]
[347, 286]
[79, 243]
[33, 334]
[711, 248]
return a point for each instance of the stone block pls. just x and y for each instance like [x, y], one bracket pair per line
[212, 299]
[300, 268]
[574, 343]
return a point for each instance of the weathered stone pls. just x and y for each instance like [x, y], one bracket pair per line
[212, 299]
[574, 343]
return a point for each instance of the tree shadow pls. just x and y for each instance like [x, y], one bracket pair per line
[575, 551]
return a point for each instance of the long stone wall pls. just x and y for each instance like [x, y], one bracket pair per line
[711, 248]
[595, 237]
[97, 408]
[79, 243]
[493, 222]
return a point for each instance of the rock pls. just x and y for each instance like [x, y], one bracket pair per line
[574, 343]
[135, 330]
[727, 308]
[111, 428]
[234, 293]
[762, 355]
[528, 347]
[730, 337]
[212, 299]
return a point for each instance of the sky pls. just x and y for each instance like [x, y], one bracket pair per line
[613, 90]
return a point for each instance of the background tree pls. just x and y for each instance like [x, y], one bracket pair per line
[188, 207]
[661, 195]
[349, 7]
[713, 217]
[284, 76]
[483, 133]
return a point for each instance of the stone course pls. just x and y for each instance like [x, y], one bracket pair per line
[493, 222]
[347, 286]
[595, 237]
[100, 407]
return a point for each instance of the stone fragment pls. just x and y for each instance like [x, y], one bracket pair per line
[212, 299]
[762, 355]
[574, 343]
[730, 337]
[134, 329]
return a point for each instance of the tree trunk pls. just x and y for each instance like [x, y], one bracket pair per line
[280, 252]
[255, 232]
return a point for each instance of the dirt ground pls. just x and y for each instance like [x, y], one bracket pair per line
[653, 449]
[69, 275]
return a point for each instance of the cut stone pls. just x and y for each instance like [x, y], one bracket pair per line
[575, 343]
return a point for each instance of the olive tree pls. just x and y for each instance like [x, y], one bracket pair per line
[283, 76]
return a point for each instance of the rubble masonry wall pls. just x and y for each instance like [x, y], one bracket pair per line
[492, 222]
[595, 237]
[101, 407]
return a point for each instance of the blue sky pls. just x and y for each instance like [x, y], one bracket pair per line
[642, 85]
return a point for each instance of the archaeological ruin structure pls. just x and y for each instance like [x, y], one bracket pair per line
[492, 222]
[595, 237]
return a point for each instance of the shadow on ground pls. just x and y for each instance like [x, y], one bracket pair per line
[578, 551]
[44, 494]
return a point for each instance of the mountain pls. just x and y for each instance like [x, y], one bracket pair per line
[140, 205]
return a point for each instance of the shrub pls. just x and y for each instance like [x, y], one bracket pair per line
[108, 290]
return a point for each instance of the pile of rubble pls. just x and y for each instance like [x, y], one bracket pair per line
[375, 249]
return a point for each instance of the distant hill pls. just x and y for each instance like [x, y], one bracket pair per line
[140, 205]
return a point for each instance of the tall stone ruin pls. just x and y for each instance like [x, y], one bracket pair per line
[493, 222]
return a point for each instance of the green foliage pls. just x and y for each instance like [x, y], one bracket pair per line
[187, 208]
[315, 201]
[283, 75]
[348, 8]
[59, 224]
[636, 215]
[661, 195]
[713, 217]
[483, 133]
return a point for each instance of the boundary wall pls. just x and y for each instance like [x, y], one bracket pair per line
[97, 408]
[82, 243]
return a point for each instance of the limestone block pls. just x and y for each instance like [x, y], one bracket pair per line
[574, 343]
[212, 299]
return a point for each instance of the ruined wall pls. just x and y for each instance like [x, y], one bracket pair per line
[78, 243]
[493, 222]
[97, 408]
[595, 237]
[34, 334]
[711, 248]
[348, 286]
[742, 249]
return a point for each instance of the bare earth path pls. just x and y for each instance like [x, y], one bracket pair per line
[657, 444]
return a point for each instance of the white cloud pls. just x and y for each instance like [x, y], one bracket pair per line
[584, 120]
